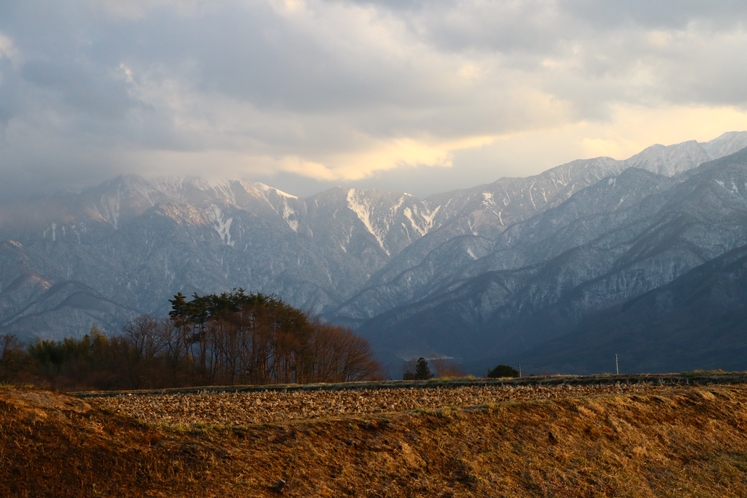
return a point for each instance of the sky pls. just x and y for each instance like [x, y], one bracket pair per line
[421, 96]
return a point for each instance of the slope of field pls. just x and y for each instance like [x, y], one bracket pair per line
[612, 440]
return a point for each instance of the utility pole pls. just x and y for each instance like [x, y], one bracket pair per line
[617, 366]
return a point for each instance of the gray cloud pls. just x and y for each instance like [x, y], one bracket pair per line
[662, 14]
[262, 88]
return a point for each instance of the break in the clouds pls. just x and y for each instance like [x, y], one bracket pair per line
[414, 95]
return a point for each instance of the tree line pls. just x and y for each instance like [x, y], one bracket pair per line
[217, 339]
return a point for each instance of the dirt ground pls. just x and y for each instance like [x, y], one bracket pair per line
[648, 441]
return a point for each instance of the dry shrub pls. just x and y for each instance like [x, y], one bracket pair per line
[446, 368]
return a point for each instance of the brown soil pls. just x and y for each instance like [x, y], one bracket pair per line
[675, 441]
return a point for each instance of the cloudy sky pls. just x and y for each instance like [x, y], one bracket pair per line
[422, 96]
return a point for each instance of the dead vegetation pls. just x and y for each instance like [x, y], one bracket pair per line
[656, 441]
[273, 406]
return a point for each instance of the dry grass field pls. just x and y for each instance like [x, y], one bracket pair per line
[466, 440]
[258, 407]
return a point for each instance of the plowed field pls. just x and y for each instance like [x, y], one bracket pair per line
[654, 436]
[248, 408]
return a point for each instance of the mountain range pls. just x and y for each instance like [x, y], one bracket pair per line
[554, 270]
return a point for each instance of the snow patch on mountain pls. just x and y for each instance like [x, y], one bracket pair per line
[427, 219]
[408, 214]
[221, 224]
[290, 216]
[361, 206]
[111, 208]
[267, 188]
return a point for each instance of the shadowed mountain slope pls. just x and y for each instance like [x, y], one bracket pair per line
[697, 321]
[622, 254]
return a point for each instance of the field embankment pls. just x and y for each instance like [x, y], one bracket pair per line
[641, 439]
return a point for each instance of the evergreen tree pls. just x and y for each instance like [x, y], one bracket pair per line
[422, 371]
[503, 371]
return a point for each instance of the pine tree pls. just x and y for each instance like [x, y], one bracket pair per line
[422, 371]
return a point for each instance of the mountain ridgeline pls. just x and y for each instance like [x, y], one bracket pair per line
[557, 271]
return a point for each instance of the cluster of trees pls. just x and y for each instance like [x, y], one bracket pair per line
[503, 371]
[218, 339]
[420, 370]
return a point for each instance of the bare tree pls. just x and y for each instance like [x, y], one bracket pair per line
[447, 368]
[12, 357]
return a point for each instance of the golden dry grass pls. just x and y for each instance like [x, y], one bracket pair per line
[676, 441]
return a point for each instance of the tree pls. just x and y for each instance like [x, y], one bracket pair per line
[422, 371]
[503, 371]
[13, 358]
[230, 338]
[338, 355]
[236, 337]
[76, 363]
[446, 368]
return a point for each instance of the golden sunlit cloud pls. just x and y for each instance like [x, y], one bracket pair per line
[344, 167]
[403, 152]
[630, 130]
[634, 128]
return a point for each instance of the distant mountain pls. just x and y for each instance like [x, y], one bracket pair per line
[484, 262]
[575, 260]
[697, 321]
[137, 242]
[476, 232]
